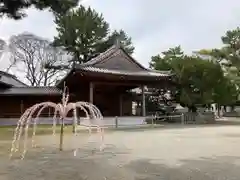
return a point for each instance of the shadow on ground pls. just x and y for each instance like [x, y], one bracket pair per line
[49, 163]
[218, 168]
[92, 165]
[117, 162]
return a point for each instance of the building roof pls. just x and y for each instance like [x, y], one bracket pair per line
[30, 91]
[125, 72]
[10, 80]
[116, 61]
[117, 56]
[13, 86]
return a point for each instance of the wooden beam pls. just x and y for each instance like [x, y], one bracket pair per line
[121, 104]
[116, 83]
[102, 77]
[91, 89]
[143, 102]
[22, 107]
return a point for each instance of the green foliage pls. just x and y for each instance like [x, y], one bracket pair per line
[231, 51]
[121, 36]
[15, 8]
[216, 55]
[81, 31]
[226, 92]
[232, 39]
[198, 79]
[164, 62]
[229, 58]
[84, 33]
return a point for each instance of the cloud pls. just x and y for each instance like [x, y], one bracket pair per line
[153, 25]
[157, 25]
[37, 22]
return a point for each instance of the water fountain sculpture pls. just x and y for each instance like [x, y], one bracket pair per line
[93, 116]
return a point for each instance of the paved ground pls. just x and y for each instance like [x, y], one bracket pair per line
[200, 153]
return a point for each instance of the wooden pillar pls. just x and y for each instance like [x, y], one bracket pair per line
[21, 107]
[143, 101]
[91, 88]
[121, 104]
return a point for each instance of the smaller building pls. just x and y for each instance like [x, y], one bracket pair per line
[16, 97]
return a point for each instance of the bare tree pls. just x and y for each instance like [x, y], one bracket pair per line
[30, 54]
[2, 47]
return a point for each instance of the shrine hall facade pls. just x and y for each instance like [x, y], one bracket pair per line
[106, 81]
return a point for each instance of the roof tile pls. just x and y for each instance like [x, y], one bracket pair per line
[31, 91]
[122, 72]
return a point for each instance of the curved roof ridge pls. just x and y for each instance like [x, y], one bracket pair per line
[102, 55]
[160, 71]
[107, 55]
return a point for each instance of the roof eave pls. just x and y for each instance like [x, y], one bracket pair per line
[60, 83]
[52, 94]
[96, 73]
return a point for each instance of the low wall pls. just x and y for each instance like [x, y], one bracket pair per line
[107, 121]
[207, 117]
[232, 114]
[199, 118]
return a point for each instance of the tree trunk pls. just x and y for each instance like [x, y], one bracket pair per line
[218, 109]
[192, 113]
[45, 79]
[192, 108]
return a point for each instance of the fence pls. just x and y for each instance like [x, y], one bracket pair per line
[107, 121]
[184, 118]
[158, 119]
[131, 121]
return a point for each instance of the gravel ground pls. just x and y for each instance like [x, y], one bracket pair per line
[197, 153]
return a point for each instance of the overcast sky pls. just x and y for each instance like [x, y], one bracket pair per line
[154, 25]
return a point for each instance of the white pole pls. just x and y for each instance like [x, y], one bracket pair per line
[182, 119]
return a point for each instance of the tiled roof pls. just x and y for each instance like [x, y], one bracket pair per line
[111, 52]
[31, 91]
[10, 80]
[116, 61]
[117, 51]
[151, 73]
[102, 56]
